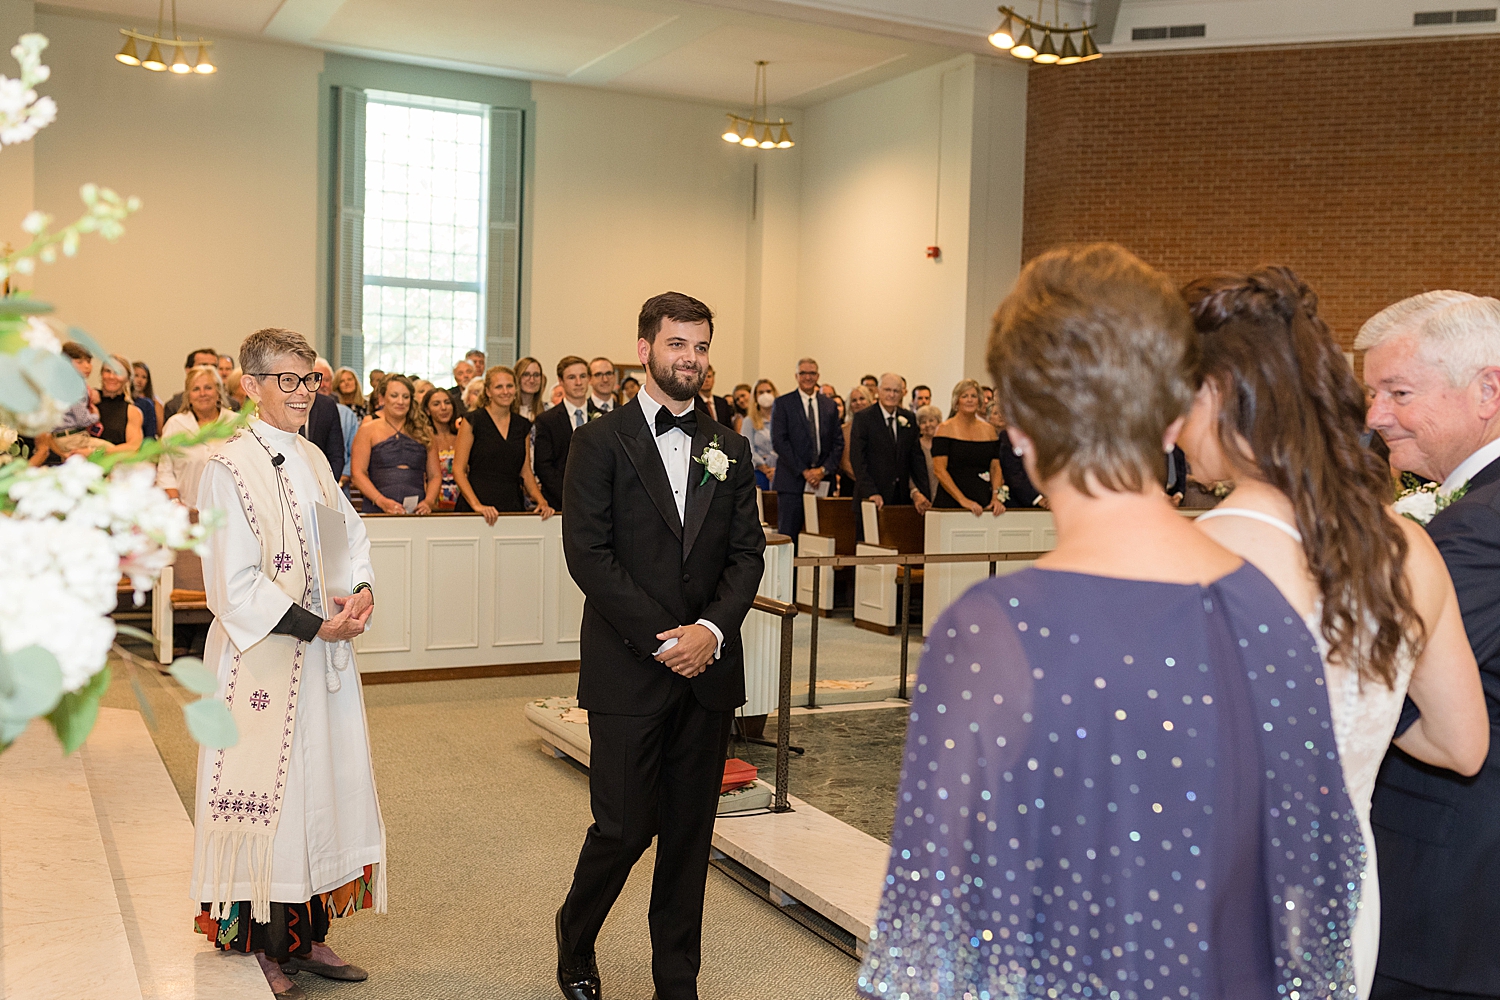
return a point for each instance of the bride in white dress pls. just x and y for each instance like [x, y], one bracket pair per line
[1280, 414]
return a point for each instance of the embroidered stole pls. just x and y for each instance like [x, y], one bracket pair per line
[248, 779]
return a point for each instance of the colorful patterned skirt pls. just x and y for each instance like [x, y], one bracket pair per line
[294, 927]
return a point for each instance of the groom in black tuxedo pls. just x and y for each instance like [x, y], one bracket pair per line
[1434, 374]
[662, 536]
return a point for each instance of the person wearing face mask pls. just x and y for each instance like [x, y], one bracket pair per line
[757, 427]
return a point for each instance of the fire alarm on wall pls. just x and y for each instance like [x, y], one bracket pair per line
[934, 253]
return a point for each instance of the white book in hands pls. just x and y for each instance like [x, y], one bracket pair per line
[334, 570]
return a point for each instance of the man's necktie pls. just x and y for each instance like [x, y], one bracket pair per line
[687, 423]
[891, 420]
[577, 418]
[812, 419]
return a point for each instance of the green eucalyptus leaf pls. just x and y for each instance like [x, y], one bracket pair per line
[31, 683]
[209, 722]
[143, 702]
[134, 633]
[193, 675]
[73, 718]
[13, 305]
[83, 337]
[54, 373]
[16, 393]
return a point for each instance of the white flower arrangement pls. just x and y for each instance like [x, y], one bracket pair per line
[1422, 502]
[68, 533]
[715, 463]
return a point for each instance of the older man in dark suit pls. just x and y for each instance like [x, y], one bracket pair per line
[1433, 368]
[885, 451]
[808, 440]
[662, 537]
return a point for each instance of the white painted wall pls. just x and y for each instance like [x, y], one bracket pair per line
[226, 168]
[887, 172]
[632, 196]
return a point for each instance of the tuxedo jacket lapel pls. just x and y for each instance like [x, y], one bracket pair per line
[641, 448]
[698, 497]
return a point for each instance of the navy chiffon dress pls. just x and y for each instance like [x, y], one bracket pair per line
[1119, 789]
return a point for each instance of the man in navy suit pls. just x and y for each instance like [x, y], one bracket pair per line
[1433, 369]
[809, 442]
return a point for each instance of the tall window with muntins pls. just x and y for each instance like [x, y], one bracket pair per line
[425, 222]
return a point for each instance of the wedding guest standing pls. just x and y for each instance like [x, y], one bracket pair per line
[348, 420]
[347, 391]
[1280, 413]
[1432, 365]
[202, 356]
[120, 420]
[438, 406]
[1020, 491]
[808, 441]
[630, 387]
[859, 400]
[1105, 790]
[885, 452]
[153, 415]
[492, 464]
[717, 407]
[921, 396]
[463, 374]
[325, 424]
[554, 428]
[928, 419]
[531, 400]
[314, 846]
[391, 463]
[178, 473]
[966, 457]
[757, 427]
[602, 386]
[744, 401]
[669, 554]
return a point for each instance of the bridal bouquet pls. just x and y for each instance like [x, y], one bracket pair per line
[69, 533]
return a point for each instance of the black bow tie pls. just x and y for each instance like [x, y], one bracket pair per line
[687, 423]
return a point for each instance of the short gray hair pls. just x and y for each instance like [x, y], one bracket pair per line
[1456, 332]
[263, 347]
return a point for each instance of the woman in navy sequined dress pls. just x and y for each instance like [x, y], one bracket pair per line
[1120, 777]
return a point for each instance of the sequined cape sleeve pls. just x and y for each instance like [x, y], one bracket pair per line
[1082, 810]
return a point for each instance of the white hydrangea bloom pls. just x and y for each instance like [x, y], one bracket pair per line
[1419, 505]
[58, 586]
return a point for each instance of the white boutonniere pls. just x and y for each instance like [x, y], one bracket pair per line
[1422, 502]
[903, 421]
[715, 463]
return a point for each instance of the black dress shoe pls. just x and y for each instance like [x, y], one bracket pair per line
[577, 976]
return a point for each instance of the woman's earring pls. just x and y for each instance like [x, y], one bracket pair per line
[1018, 450]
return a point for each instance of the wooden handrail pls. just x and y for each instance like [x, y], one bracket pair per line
[916, 558]
[781, 609]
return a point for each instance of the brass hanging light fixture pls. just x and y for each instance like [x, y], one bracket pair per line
[1017, 35]
[154, 62]
[755, 131]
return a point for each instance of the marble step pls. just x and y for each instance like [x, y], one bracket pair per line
[148, 840]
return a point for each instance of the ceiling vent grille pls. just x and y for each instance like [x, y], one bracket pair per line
[1166, 31]
[1428, 18]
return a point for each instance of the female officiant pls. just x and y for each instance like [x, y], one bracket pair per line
[1118, 779]
[288, 831]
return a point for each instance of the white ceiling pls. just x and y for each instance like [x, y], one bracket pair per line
[706, 49]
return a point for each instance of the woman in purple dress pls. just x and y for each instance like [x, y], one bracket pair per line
[1120, 778]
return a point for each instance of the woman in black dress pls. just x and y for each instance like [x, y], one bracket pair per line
[966, 457]
[1020, 491]
[493, 463]
[120, 419]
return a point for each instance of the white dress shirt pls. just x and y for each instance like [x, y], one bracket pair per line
[603, 405]
[1471, 466]
[574, 411]
[675, 448]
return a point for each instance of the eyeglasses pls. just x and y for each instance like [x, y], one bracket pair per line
[811, 374]
[288, 381]
[608, 374]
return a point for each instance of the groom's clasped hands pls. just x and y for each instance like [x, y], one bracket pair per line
[687, 649]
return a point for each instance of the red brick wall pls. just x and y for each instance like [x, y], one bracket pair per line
[1372, 170]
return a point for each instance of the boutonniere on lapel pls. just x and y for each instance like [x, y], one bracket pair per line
[903, 421]
[1423, 501]
[595, 414]
[715, 463]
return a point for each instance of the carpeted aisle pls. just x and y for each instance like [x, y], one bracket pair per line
[483, 830]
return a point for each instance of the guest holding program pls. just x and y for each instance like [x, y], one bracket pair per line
[391, 465]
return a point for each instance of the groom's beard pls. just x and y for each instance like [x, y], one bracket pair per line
[679, 383]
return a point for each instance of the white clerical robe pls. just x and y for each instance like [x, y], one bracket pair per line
[330, 817]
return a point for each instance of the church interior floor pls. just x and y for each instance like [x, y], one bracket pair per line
[484, 828]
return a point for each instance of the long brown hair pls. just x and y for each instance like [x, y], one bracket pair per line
[416, 426]
[1286, 390]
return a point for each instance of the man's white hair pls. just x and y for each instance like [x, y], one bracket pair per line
[1456, 332]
